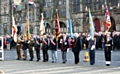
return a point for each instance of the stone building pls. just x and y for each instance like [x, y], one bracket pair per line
[77, 10]
[5, 23]
[79, 13]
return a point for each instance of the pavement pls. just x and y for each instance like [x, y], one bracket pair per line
[12, 66]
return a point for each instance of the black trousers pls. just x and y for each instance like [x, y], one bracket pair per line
[37, 53]
[76, 57]
[107, 55]
[92, 56]
[45, 55]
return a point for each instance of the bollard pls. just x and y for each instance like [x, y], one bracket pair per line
[86, 58]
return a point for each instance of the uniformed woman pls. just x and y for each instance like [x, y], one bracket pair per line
[108, 48]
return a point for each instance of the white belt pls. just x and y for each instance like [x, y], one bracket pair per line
[107, 45]
[18, 44]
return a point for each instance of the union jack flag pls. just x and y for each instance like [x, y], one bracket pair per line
[107, 18]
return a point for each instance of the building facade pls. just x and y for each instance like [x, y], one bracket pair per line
[77, 10]
[5, 23]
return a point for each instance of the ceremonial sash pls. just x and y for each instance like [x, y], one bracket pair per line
[52, 42]
[37, 41]
[45, 42]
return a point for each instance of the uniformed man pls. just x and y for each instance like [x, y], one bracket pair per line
[45, 48]
[30, 47]
[91, 47]
[64, 46]
[37, 47]
[76, 47]
[25, 47]
[18, 47]
[108, 48]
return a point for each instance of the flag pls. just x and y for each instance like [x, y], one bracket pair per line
[57, 26]
[17, 2]
[107, 18]
[42, 27]
[27, 30]
[92, 29]
[70, 28]
[14, 6]
[30, 2]
[14, 30]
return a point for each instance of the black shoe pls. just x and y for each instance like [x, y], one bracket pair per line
[63, 62]
[52, 61]
[44, 61]
[37, 60]
[107, 64]
[18, 59]
[24, 59]
[31, 60]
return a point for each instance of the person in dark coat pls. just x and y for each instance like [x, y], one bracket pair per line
[108, 48]
[64, 45]
[53, 48]
[76, 48]
[91, 47]
[45, 48]
[37, 47]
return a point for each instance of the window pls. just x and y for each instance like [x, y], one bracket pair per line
[47, 14]
[64, 1]
[62, 12]
[59, 2]
[76, 6]
[47, 3]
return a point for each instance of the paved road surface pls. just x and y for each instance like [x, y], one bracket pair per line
[12, 66]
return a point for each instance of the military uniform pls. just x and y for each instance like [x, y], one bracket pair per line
[18, 47]
[107, 51]
[30, 47]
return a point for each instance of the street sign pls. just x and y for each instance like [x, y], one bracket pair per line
[1, 49]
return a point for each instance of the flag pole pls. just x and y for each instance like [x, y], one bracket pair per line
[28, 15]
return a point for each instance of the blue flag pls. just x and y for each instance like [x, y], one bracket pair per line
[92, 29]
[70, 28]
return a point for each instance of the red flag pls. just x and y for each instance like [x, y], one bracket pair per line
[57, 26]
[14, 30]
[107, 18]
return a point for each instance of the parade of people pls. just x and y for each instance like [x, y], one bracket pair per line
[50, 38]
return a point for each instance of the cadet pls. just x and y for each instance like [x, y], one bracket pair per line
[18, 47]
[30, 47]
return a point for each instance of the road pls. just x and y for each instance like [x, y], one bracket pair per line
[12, 66]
